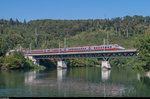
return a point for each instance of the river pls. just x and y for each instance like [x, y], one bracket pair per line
[75, 82]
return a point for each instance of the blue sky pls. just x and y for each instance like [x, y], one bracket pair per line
[72, 9]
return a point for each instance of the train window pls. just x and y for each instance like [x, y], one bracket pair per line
[36, 51]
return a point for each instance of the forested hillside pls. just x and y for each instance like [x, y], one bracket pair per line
[47, 33]
[40, 34]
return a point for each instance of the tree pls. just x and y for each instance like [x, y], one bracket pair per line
[11, 21]
[143, 46]
[17, 22]
[3, 46]
[24, 22]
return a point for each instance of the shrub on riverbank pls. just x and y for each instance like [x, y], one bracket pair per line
[16, 61]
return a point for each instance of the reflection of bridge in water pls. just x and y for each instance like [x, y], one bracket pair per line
[147, 74]
[67, 86]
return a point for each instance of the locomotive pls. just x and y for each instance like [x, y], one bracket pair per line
[76, 49]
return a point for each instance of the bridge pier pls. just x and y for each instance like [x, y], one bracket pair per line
[61, 64]
[105, 64]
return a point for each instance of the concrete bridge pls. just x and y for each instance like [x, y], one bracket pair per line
[87, 54]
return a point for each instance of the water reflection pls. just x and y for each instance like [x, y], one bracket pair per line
[74, 82]
[105, 74]
[61, 77]
[61, 73]
[147, 74]
[78, 82]
[30, 76]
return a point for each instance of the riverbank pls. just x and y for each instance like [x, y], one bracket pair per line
[17, 61]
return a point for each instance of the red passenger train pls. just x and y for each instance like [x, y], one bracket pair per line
[76, 49]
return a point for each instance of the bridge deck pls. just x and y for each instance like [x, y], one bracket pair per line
[87, 52]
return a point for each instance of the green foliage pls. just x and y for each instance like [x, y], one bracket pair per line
[3, 45]
[87, 32]
[143, 46]
[12, 63]
[17, 61]
[30, 65]
[45, 34]
[83, 62]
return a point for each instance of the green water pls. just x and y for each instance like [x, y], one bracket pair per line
[74, 82]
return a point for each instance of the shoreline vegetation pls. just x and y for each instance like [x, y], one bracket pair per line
[131, 32]
[16, 61]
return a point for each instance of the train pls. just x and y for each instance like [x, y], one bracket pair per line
[76, 49]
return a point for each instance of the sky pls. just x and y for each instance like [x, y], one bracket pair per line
[72, 9]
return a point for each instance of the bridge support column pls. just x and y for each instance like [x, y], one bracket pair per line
[106, 65]
[61, 64]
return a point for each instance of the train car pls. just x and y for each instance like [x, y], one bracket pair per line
[77, 49]
[55, 50]
[106, 47]
[34, 51]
